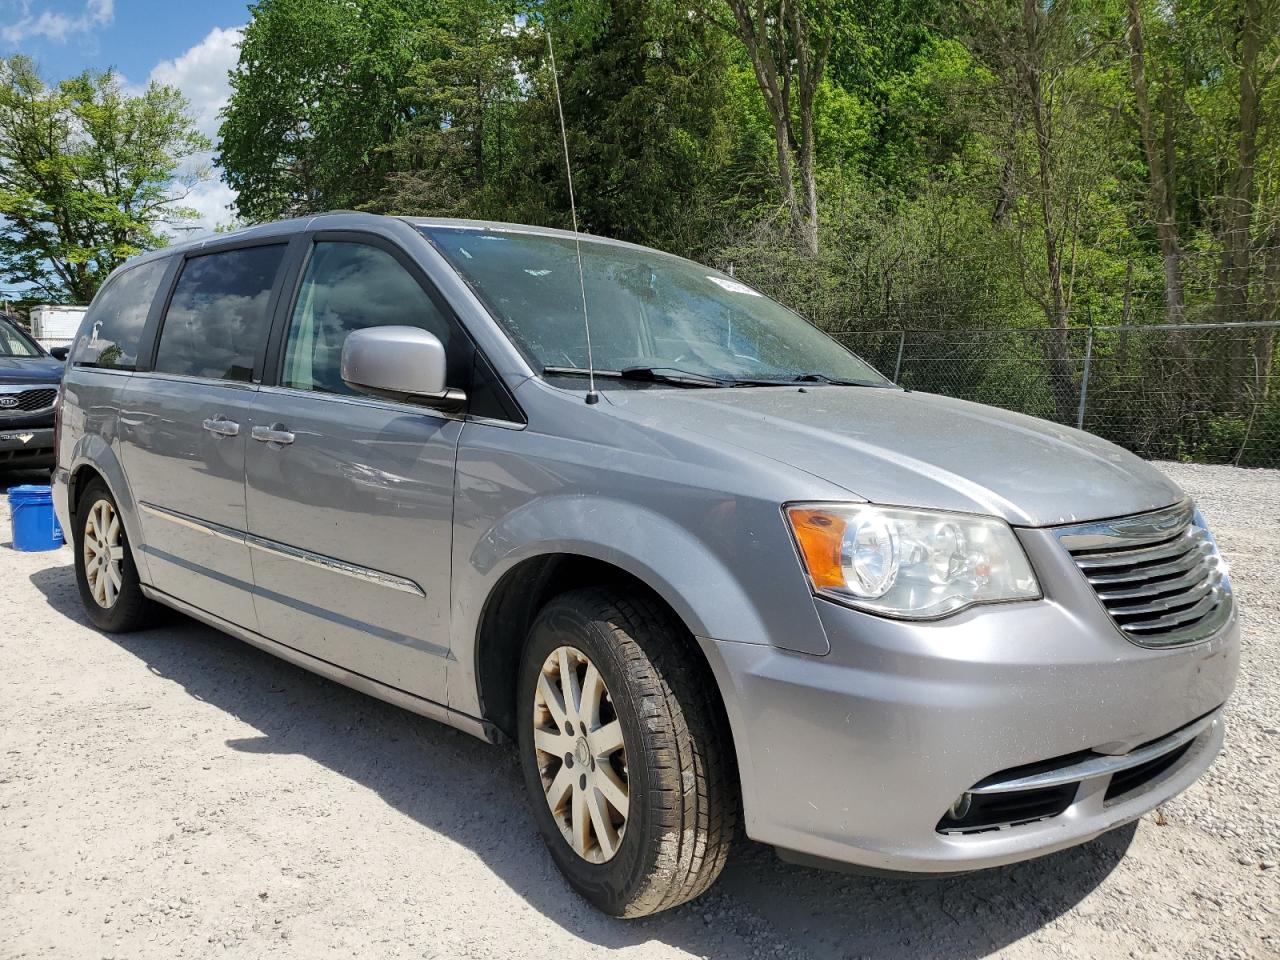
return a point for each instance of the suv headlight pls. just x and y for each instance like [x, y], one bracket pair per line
[913, 564]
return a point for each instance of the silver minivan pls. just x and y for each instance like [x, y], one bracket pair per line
[704, 566]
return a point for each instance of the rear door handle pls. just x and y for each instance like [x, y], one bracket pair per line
[222, 428]
[271, 435]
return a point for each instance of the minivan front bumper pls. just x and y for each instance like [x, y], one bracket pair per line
[857, 756]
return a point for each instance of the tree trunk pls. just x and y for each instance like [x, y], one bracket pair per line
[1232, 299]
[1159, 166]
[786, 176]
[763, 30]
[1056, 343]
[1006, 191]
[808, 225]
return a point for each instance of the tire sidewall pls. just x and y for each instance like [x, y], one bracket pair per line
[611, 885]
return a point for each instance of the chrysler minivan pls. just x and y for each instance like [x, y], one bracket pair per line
[702, 564]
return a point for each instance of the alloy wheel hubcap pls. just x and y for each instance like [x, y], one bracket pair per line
[581, 757]
[103, 553]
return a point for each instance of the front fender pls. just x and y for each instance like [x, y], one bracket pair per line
[695, 579]
[647, 545]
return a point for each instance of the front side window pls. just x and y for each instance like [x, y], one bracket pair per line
[217, 319]
[350, 286]
[14, 344]
[111, 330]
[647, 310]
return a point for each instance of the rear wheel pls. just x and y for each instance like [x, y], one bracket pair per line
[105, 572]
[625, 754]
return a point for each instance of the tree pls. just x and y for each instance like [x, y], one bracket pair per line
[1055, 90]
[642, 86]
[1159, 153]
[788, 42]
[316, 100]
[644, 98]
[463, 97]
[89, 176]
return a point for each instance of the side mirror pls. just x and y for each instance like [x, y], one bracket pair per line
[60, 353]
[399, 363]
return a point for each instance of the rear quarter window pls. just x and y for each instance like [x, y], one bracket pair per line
[112, 327]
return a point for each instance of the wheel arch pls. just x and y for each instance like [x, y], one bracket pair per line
[95, 459]
[516, 599]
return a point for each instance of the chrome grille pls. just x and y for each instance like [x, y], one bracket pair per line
[27, 401]
[1159, 575]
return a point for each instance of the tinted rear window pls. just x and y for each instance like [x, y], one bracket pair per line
[217, 318]
[111, 329]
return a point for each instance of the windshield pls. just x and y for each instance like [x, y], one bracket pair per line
[647, 309]
[14, 344]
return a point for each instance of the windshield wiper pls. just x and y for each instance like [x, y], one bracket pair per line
[689, 378]
[683, 378]
[671, 375]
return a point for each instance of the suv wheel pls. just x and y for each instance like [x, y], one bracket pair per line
[625, 756]
[105, 573]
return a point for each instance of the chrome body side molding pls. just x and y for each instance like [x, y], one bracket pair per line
[389, 580]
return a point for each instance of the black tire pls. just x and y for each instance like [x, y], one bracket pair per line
[129, 609]
[680, 771]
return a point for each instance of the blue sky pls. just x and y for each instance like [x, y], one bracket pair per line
[190, 44]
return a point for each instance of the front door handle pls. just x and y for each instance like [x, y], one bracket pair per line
[271, 435]
[222, 428]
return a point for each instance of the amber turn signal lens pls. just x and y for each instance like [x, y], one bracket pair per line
[819, 535]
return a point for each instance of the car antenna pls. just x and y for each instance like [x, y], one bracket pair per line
[592, 396]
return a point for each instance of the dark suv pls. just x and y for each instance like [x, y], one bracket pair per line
[28, 385]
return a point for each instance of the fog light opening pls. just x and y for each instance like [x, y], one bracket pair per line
[960, 809]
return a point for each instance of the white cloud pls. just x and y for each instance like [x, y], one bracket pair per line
[201, 74]
[51, 25]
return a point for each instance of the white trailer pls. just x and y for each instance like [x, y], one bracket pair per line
[56, 326]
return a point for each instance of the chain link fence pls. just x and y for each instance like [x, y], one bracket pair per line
[1208, 393]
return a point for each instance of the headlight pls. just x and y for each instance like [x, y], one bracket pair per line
[915, 564]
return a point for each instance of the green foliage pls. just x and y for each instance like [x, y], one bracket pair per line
[317, 100]
[1222, 440]
[89, 175]
[643, 89]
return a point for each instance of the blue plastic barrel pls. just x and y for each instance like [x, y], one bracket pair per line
[31, 513]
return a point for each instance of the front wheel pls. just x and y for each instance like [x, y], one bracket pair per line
[625, 753]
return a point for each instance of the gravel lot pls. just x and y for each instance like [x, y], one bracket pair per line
[177, 793]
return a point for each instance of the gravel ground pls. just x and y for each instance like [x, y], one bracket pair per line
[177, 793]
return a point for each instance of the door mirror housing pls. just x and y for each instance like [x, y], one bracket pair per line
[400, 363]
[60, 353]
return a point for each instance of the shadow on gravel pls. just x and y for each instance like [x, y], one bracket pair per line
[473, 794]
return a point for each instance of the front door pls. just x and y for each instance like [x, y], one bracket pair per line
[350, 498]
[185, 425]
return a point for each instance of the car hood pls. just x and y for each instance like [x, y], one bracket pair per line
[30, 370]
[916, 449]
